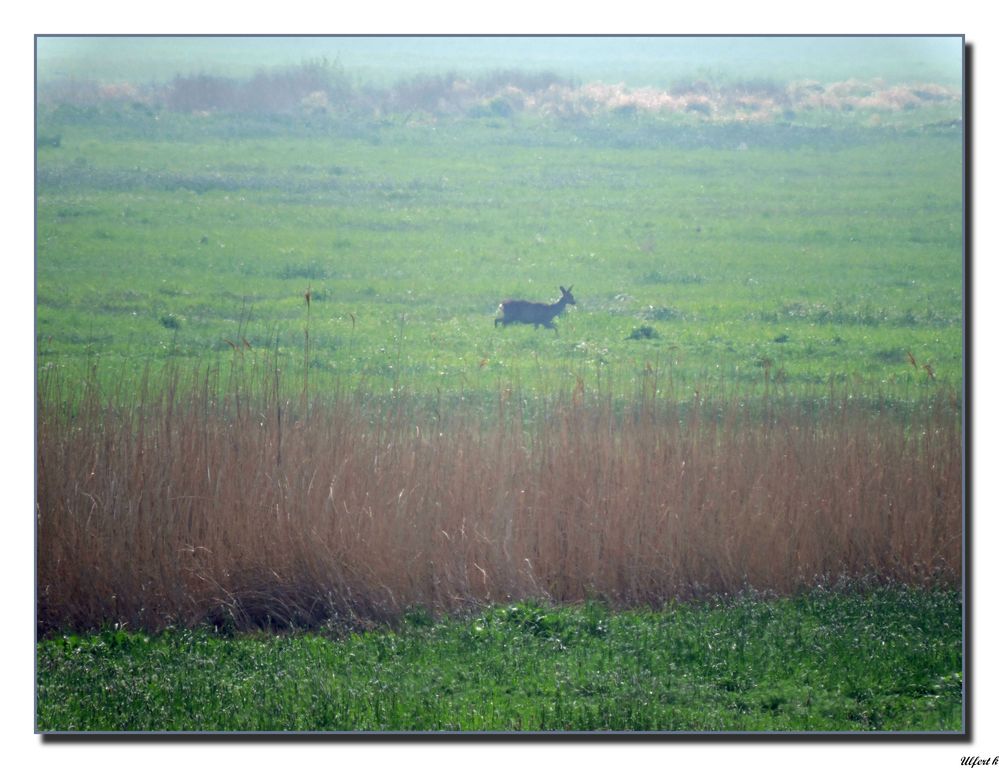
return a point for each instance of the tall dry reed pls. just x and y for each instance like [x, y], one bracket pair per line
[220, 498]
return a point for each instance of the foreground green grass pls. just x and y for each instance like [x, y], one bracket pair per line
[878, 660]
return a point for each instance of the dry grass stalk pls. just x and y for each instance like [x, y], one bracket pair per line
[208, 502]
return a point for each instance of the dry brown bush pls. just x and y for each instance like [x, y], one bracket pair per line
[208, 500]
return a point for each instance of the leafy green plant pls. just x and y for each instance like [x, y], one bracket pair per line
[842, 659]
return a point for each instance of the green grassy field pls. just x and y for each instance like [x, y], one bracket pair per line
[881, 660]
[271, 396]
[828, 255]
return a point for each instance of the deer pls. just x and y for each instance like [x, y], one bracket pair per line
[532, 312]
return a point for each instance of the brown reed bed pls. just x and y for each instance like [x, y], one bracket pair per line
[216, 497]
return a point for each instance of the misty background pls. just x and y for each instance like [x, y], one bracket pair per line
[636, 61]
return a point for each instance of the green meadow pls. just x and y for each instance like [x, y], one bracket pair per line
[827, 661]
[719, 251]
[291, 476]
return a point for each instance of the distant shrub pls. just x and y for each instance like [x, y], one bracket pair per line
[434, 94]
[520, 80]
[322, 87]
[496, 108]
[317, 102]
[317, 85]
[202, 93]
[644, 332]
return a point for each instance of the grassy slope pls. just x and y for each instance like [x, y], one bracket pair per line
[886, 660]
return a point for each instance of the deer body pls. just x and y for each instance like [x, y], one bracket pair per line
[534, 313]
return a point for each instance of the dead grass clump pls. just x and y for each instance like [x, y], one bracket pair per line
[220, 499]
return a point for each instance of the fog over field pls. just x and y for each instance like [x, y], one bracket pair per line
[637, 61]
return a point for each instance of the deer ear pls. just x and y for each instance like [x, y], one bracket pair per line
[561, 289]
[569, 290]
